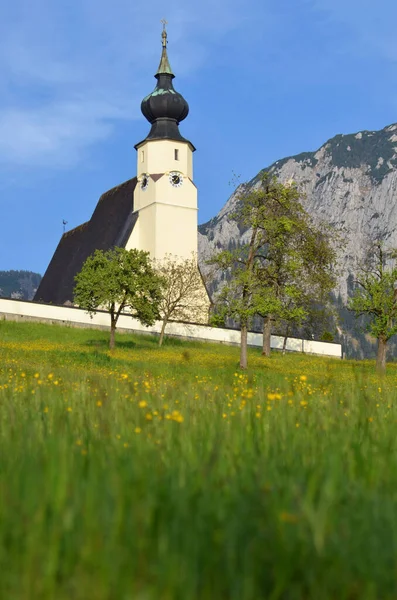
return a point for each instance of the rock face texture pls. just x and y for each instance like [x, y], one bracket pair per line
[350, 182]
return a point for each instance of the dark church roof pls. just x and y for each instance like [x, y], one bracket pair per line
[111, 225]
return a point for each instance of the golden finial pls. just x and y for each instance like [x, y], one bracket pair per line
[164, 67]
[164, 34]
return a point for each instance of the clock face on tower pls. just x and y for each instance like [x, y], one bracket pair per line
[144, 182]
[176, 179]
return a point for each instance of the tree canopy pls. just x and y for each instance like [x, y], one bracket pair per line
[375, 297]
[119, 280]
[286, 261]
[183, 293]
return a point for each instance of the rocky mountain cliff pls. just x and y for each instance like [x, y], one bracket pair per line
[350, 182]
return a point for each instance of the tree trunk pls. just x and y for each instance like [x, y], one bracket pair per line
[381, 356]
[243, 347]
[163, 326]
[267, 332]
[285, 340]
[112, 333]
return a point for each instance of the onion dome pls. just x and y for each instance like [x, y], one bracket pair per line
[165, 108]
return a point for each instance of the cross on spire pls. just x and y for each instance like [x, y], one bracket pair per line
[164, 67]
[164, 34]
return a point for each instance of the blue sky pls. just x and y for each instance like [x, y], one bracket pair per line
[264, 79]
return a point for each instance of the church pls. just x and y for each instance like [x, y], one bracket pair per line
[156, 211]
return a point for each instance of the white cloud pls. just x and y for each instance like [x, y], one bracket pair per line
[69, 72]
[54, 135]
[72, 70]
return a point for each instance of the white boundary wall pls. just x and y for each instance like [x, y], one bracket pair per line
[15, 310]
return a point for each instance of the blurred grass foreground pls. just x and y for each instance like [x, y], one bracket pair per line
[167, 474]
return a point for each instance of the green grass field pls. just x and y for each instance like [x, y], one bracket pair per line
[168, 474]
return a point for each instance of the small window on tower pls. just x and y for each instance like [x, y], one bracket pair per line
[176, 154]
[142, 155]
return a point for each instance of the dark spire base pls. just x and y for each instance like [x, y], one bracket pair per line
[165, 129]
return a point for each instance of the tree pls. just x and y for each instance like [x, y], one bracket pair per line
[242, 296]
[117, 280]
[279, 267]
[236, 297]
[300, 277]
[183, 294]
[375, 297]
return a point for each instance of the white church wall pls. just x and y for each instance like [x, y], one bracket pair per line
[134, 241]
[145, 236]
[167, 221]
[146, 197]
[154, 154]
[184, 196]
[22, 310]
[174, 231]
[163, 229]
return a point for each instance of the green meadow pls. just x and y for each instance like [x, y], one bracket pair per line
[167, 474]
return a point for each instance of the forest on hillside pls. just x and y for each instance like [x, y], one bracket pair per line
[19, 284]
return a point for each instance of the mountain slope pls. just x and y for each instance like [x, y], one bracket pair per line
[350, 182]
[19, 284]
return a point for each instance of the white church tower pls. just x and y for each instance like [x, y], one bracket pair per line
[156, 211]
[165, 195]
